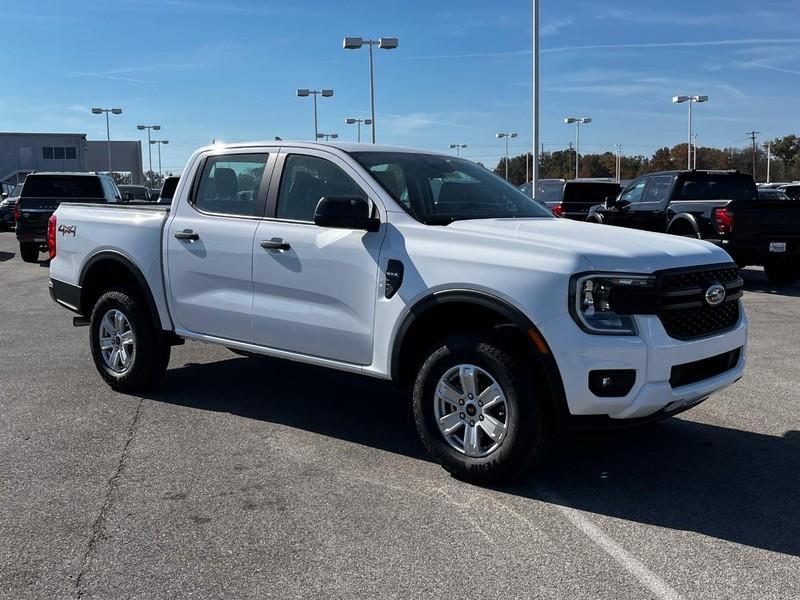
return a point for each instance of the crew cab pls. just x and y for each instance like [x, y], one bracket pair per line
[722, 207]
[42, 193]
[504, 322]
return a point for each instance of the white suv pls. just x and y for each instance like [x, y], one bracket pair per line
[422, 268]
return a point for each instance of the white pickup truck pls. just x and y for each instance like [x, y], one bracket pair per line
[505, 321]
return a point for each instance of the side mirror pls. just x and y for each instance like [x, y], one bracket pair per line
[345, 212]
[610, 201]
[4, 195]
[128, 197]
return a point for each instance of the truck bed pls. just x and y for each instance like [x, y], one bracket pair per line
[131, 232]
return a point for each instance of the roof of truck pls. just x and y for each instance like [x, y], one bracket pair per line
[343, 146]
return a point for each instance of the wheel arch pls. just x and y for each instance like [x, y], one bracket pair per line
[437, 314]
[107, 269]
[683, 219]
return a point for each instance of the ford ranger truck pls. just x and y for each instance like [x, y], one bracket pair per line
[504, 322]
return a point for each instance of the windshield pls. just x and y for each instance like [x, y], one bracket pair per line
[16, 191]
[438, 190]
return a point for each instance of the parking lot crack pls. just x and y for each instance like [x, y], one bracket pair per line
[99, 523]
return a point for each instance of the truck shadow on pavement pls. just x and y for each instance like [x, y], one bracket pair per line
[734, 485]
[756, 281]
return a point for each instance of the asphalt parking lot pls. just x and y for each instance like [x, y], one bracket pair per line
[248, 478]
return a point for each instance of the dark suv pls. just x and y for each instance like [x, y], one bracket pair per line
[722, 207]
[43, 192]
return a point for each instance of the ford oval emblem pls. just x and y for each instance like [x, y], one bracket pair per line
[715, 294]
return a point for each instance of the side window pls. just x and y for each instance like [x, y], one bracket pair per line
[634, 192]
[305, 180]
[230, 184]
[658, 188]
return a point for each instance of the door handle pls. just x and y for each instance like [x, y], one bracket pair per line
[276, 244]
[187, 234]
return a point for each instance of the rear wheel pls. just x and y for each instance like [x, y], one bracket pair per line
[29, 251]
[127, 349]
[782, 272]
[478, 411]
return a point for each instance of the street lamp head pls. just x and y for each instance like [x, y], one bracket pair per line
[352, 43]
[334, 136]
[165, 141]
[454, 146]
[367, 121]
[156, 127]
[586, 120]
[97, 111]
[387, 43]
[570, 120]
[349, 120]
[302, 93]
[679, 99]
[140, 127]
[327, 93]
[116, 111]
[701, 98]
[500, 136]
[513, 135]
[153, 142]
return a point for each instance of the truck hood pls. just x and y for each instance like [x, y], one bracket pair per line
[604, 247]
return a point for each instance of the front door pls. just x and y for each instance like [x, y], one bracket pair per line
[315, 287]
[622, 212]
[209, 245]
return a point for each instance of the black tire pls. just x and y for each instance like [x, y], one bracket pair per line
[29, 251]
[528, 427]
[782, 272]
[150, 356]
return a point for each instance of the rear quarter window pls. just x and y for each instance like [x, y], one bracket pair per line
[716, 186]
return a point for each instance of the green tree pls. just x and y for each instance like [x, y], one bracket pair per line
[786, 149]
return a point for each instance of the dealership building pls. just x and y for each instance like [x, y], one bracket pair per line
[23, 153]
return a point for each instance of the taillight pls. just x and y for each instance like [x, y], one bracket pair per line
[52, 224]
[723, 218]
[558, 210]
[16, 210]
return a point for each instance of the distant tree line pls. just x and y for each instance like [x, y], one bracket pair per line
[560, 164]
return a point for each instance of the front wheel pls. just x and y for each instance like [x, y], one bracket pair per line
[127, 349]
[782, 272]
[478, 410]
[29, 251]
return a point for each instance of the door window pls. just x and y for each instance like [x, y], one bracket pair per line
[305, 180]
[658, 188]
[231, 184]
[634, 192]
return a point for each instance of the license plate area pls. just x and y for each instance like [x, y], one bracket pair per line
[777, 247]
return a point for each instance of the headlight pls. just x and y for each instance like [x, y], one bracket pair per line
[592, 300]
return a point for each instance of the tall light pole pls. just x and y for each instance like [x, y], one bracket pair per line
[113, 111]
[303, 93]
[458, 148]
[535, 50]
[358, 122]
[768, 147]
[159, 142]
[327, 136]
[694, 152]
[149, 150]
[578, 122]
[691, 100]
[385, 43]
[618, 161]
[506, 136]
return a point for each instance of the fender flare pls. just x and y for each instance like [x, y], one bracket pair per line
[686, 217]
[552, 374]
[130, 266]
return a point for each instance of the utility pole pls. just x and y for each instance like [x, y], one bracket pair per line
[768, 146]
[753, 135]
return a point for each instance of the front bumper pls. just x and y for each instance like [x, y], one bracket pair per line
[652, 354]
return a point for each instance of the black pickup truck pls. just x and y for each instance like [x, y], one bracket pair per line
[43, 192]
[572, 199]
[721, 207]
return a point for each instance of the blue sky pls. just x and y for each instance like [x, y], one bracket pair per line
[229, 69]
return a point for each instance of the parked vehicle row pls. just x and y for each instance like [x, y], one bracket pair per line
[504, 322]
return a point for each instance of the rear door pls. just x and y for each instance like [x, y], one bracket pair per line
[209, 244]
[316, 295]
[649, 213]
